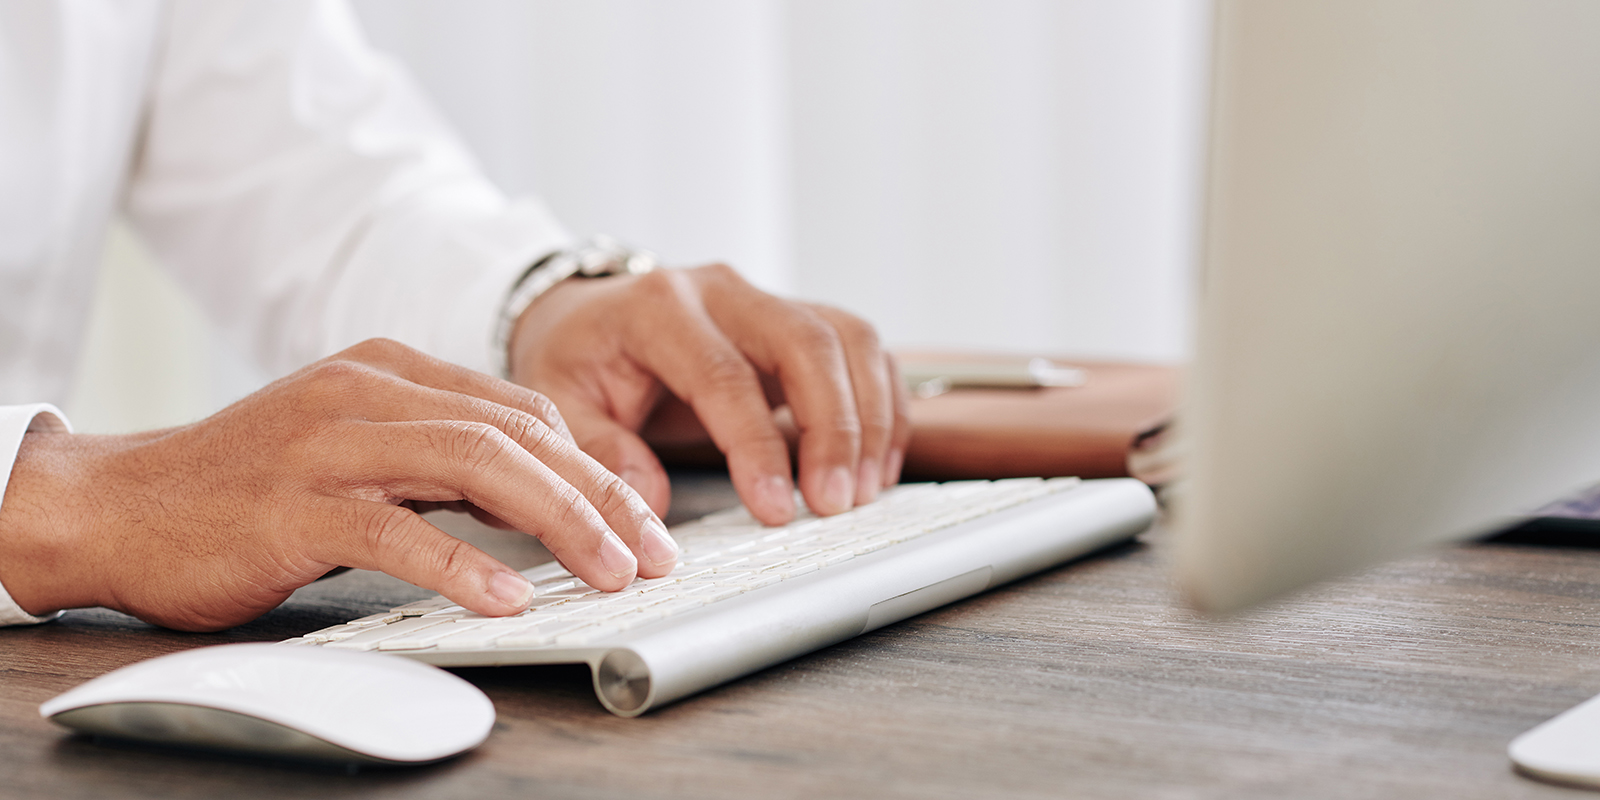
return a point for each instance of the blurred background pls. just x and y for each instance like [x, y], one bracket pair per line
[1016, 175]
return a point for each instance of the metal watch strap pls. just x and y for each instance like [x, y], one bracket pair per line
[598, 257]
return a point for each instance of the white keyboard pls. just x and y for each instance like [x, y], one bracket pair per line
[744, 596]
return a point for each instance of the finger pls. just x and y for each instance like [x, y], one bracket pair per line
[677, 341]
[444, 460]
[394, 540]
[391, 398]
[623, 508]
[618, 449]
[806, 354]
[460, 507]
[900, 439]
[420, 368]
[874, 395]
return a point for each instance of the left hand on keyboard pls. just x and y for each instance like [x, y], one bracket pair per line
[209, 525]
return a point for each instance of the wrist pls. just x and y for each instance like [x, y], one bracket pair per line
[598, 257]
[46, 517]
[535, 322]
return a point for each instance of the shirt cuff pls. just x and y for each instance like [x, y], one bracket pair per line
[15, 421]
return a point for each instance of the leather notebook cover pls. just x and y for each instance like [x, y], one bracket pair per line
[1005, 433]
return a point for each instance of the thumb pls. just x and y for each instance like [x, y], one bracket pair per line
[620, 450]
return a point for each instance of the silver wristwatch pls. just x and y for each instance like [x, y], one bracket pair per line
[599, 256]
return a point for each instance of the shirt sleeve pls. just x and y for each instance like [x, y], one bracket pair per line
[15, 421]
[301, 185]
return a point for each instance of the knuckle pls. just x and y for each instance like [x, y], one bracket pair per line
[612, 498]
[891, 366]
[336, 383]
[543, 407]
[814, 335]
[855, 330]
[475, 446]
[451, 558]
[662, 286]
[569, 509]
[728, 372]
[339, 372]
[877, 425]
[379, 349]
[842, 429]
[385, 528]
[527, 430]
[847, 429]
[391, 538]
[720, 272]
[761, 437]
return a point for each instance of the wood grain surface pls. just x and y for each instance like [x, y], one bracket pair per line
[1086, 681]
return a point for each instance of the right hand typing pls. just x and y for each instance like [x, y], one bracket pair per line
[209, 525]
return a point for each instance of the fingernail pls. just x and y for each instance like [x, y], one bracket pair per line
[614, 556]
[838, 491]
[868, 480]
[891, 472]
[776, 493]
[657, 544]
[511, 589]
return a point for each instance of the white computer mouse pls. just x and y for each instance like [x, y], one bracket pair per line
[285, 701]
[1565, 748]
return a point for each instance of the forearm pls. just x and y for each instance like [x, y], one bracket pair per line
[373, 220]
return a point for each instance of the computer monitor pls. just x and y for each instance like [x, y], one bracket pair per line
[1399, 334]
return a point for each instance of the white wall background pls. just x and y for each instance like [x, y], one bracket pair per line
[1001, 174]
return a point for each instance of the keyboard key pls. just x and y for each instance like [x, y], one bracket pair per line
[369, 638]
[474, 638]
[553, 586]
[573, 593]
[597, 613]
[864, 546]
[678, 605]
[795, 570]
[757, 580]
[697, 571]
[718, 592]
[545, 572]
[637, 619]
[540, 635]
[425, 638]
[653, 584]
[421, 607]
[336, 632]
[588, 635]
[832, 557]
[380, 618]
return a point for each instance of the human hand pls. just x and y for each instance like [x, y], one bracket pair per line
[210, 525]
[615, 353]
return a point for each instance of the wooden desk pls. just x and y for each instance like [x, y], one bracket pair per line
[1085, 681]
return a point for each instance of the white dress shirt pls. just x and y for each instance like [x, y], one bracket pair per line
[295, 180]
